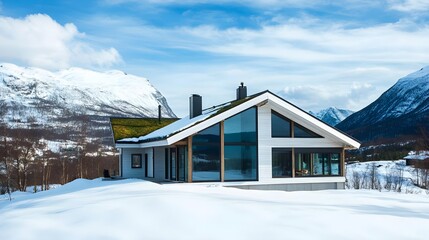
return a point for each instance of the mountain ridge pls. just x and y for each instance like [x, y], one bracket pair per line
[72, 107]
[401, 111]
[332, 115]
[44, 95]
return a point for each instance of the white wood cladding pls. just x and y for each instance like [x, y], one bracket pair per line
[266, 142]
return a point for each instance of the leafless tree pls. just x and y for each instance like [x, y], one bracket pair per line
[82, 129]
[399, 178]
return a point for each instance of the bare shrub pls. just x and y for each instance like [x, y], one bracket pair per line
[356, 180]
[398, 178]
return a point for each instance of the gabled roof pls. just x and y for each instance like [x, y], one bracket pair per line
[184, 123]
[186, 127]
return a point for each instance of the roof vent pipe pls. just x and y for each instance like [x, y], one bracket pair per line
[241, 91]
[195, 105]
[159, 113]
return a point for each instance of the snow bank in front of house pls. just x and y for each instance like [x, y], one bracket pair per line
[136, 209]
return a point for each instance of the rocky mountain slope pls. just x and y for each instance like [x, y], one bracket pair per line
[400, 112]
[33, 98]
[332, 115]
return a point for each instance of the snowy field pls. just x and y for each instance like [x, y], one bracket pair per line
[387, 174]
[136, 209]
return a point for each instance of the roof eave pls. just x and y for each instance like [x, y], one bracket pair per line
[160, 143]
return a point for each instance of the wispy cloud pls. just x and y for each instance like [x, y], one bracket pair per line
[409, 5]
[316, 63]
[309, 42]
[397, 42]
[38, 40]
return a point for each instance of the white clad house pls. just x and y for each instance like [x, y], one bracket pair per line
[254, 142]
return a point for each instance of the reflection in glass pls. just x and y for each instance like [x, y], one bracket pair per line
[206, 154]
[240, 162]
[241, 128]
[322, 163]
[182, 154]
[240, 137]
[302, 132]
[281, 162]
[302, 164]
[335, 164]
[205, 162]
[209, 135]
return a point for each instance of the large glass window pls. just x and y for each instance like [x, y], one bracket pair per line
[317, 162]
[240, 139]
[240, 162]
[280, 126]
[241, 128]
[281, 162]
[206, 155]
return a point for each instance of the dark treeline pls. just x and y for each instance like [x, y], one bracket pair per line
[41, 157]
[390, 149]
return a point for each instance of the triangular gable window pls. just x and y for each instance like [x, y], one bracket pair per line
[280, 126]
[302, 132]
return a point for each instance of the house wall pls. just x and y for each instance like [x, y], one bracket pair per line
[155, 154]
[266, 143]
[159, 164]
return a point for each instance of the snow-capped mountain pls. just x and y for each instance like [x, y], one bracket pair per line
[45, 98]
[403, 110]
[332, 115]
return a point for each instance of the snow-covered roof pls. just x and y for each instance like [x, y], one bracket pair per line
[164, 132]
[178, 125]
[186, 127]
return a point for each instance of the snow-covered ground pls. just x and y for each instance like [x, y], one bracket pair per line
[136, 209]
[392, 171]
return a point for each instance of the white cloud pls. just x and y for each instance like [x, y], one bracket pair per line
[320, 58]
[310, 97]
[38, 40]
[288, 42]
[409, 5]
[323, 56]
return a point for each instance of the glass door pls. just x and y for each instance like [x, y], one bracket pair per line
[182, 163]
[173, 164]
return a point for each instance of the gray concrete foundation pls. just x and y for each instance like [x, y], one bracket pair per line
[293, 186]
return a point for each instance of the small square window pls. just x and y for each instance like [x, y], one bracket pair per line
[136, 161]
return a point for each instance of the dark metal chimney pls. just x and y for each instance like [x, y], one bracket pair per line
[195, 105]
[241, 91]
[159, 113]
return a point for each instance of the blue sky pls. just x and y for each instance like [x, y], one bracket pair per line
[316, 54]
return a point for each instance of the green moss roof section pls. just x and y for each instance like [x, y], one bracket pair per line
[234, 104]
[136, 127]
